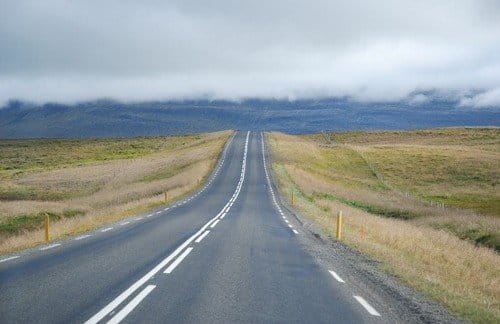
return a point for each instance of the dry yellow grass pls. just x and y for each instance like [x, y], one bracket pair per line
[119, 187]
[456, 272]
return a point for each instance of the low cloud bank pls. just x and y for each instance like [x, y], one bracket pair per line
[387, 50]
[485, 99]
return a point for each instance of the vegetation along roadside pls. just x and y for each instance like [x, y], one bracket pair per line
[423, 202]
[83, 183]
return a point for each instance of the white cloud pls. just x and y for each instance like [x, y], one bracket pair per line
[418, 99]
[486, 99]
[57, 50]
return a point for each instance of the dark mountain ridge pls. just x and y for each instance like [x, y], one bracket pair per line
[103, 118]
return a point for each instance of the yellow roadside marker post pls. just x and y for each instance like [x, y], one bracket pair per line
[339, 226]
[47, 225]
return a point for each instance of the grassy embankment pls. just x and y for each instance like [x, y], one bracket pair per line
[83, 183]
[391, 184]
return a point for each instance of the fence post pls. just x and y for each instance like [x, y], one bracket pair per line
[47, 226]
[362, 233]
[293, 199]
[165, 196]
[339, 225]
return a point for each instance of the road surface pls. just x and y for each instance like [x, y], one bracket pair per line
[227, 253]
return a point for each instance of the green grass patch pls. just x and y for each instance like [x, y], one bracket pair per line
[480, 236]
[165, 172]
[26, 222]
[484, 203]
[20, 192]
[370, 208]
[457, 177]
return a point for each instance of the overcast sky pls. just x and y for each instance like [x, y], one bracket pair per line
[66, 51]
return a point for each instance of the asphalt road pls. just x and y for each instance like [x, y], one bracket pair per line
[228, 253]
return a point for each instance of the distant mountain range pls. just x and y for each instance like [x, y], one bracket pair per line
[111, 118]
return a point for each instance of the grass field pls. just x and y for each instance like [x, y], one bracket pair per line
[82, 183]
[390, 185]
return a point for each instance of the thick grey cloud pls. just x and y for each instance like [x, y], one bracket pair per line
[56, 50]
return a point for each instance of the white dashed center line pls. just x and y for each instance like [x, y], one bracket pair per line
[109, 308]
[130, 306]
[215, 223]
[336, 276]
[367, 306]
[49, 246]
[9, 258]
[177, 261]
[82, 237]
[198, 240]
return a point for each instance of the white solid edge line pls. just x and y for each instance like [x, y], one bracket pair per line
[198, 240]
[106, 229]
[130, 306]
[124, 295]
[336, 276]
[9, 258]
[215, 223]
[367, 306]
[49, 246]
[177, 261]
[125, 223]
